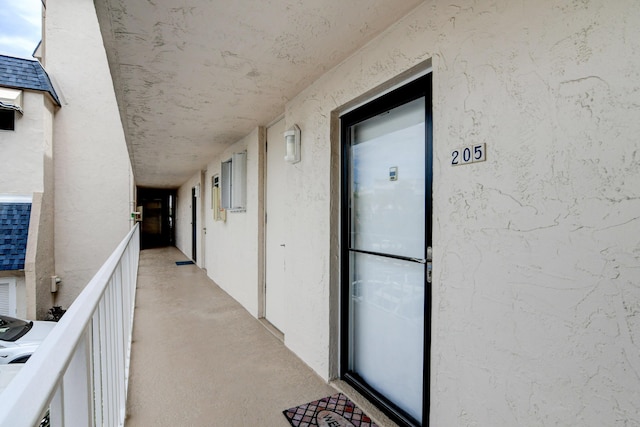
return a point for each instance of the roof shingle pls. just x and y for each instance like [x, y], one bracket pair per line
[14, 230]
[22, 73]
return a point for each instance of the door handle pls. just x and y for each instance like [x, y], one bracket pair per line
[283, 245]
[429, 264]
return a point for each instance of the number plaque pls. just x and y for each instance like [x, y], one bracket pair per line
[469, 154]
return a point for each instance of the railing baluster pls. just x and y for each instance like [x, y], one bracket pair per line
[56, 409]
[104, 368]
[113, 375]
[120, 353]
[76, 385]
[97, 367]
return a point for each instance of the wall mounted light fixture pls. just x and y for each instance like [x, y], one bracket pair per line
[292, 144]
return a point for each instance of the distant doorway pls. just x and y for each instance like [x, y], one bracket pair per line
[194, 223]
[276, 301]
[158, 217]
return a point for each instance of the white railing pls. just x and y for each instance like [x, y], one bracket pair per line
[80, 371]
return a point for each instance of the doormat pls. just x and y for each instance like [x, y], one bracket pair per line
[184, 262]
[332, 411]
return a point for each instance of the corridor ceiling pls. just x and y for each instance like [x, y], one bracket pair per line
[193, 76]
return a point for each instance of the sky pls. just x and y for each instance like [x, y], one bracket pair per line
[20, 22]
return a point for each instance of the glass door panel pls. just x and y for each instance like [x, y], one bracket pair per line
[387, 157]
[384, 287]
[387, 334]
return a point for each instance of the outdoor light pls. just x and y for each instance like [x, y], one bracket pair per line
[292, 144]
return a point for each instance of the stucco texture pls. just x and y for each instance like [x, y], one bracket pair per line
[23, 148]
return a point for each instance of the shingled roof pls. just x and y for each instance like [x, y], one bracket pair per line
[22, 73]
[14, 229]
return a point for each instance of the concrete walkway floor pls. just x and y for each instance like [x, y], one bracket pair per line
[200, 359]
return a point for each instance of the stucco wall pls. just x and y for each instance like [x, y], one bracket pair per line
[93, 179]
[233, 247]
[29, 171]
[536, 250]
[45, 257]
[22, 149]
[21, 298]
[40, 259]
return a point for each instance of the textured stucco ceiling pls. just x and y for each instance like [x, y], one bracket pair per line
[194, 76]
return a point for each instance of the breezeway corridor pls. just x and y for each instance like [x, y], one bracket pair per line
[199, 359]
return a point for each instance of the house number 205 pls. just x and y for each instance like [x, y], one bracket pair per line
[469, 154]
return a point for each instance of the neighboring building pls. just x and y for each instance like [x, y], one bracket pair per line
[28, 103]
[51, 151]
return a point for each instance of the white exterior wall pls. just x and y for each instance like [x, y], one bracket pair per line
[21, 298]
[44, 266]
[93, 179]
[233, 248]
[28, 170]
[536, 250]
[39, 263]
[23, 149]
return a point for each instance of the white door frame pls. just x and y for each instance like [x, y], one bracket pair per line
[276, 144]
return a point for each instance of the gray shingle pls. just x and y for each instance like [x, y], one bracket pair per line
[14, 230]
[22, 73]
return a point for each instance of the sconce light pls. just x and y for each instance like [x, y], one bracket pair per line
[292, 144]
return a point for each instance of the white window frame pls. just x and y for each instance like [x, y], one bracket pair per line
[233, 182]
